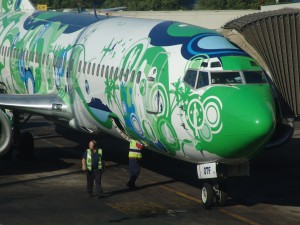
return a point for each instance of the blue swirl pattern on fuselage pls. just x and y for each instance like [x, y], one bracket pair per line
[74, 21]
[208, 43]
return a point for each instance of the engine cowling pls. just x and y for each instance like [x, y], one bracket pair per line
[6, 136]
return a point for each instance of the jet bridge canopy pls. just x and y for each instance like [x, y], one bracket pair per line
[273, 39]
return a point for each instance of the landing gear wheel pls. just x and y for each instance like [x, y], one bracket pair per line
[222, 198]
[208, 195]
[26, 146]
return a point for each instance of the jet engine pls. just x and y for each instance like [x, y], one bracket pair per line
[6, 136]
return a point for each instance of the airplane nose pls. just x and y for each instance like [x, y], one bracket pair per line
[249, 121]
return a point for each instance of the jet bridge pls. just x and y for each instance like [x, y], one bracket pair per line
[273, 39]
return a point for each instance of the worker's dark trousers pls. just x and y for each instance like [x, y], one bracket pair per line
[91, 176]
[134, 167]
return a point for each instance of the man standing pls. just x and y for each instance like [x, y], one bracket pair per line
[135, 157]
[92, 164]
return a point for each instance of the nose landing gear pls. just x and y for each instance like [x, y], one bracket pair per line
[213, 192]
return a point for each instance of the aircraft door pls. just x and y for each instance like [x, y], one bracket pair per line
[155, 97]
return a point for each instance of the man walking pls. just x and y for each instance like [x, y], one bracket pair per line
[135, 157]
[92, 164]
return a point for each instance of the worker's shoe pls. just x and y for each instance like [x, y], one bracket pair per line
[101, 196]
[90, 195]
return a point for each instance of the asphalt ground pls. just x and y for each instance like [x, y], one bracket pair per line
[51, 188]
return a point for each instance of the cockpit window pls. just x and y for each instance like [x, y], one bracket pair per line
[196, 79]
[226, 78]
[191, 77]
[255, 77]
[202, 79]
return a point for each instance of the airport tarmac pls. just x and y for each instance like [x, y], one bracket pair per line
[50, 189]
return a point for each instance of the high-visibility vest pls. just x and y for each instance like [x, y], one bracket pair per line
[134, 151]
[89, 159]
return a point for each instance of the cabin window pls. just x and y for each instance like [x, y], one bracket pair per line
[89, 68]
[93, 69]
[4, 54]
[8, 51]
[47, 61]
[190, 78]
[126, 75]
[84, 67]
[14, 53]
[121, 74]
[44, 58]
[98, 70]
[32, 56]
[116, 73]
[226, 78]
[255, 77]
[106, 71]
[26, 55]
[138, 78]
[111, 73]
[132, 76]
[102, 70]
[79, 66]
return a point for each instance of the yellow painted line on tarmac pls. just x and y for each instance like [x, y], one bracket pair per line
[181, 194]
[233, 215]
[238, 217]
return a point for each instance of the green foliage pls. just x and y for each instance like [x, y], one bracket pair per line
[158, 4]
[131, 4]
[231, 4]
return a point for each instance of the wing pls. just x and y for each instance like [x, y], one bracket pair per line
[49, 105]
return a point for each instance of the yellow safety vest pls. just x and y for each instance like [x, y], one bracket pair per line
[134, 151]
[89, 159]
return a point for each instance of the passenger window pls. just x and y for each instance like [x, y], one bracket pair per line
[106, 71]
[111, 72]
[190, 78]
[138, 78]
[8, 51]
[44, 58]
[202, 79]
[47, 61]
[98, 70]
[102, 70]
[126, 75]
[32, 56]
[121, 74]
[71, 65]
[89, 68]
[132, 76]
[93, 69]
[116, 73]
[84, 67]
[4, 54]
[79, 66]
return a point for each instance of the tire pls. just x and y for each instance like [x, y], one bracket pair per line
[26, 146]
[207, 195]
[222, 198]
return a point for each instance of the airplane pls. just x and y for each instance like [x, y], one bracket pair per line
[181, 90]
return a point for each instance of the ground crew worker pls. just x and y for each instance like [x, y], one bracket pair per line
[135, 156]
[92, 163]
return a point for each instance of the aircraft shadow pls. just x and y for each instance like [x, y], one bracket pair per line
[274, 178]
